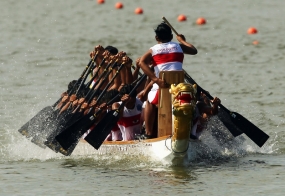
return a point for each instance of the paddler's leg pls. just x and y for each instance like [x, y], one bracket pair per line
[150, 112]
[149, 115]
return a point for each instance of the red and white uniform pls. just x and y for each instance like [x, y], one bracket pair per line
[129, 123]
[166, 57]
[116, 134]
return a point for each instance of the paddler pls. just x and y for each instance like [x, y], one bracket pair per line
[164, 56]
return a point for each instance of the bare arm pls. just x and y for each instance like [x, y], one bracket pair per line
[128, 70]
[145, 61]
[186, 47]
[203, 108]
[137, 69]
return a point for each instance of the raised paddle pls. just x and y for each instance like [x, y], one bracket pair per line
[79, 110]
[252, 131]
[68, 118]
[82, 86]
[50, 123]
[69, 104]
[71, 135]
[231, 127]
[99, 133]
[31, 128]
[222, 116]
[70, 138]
[83, 75]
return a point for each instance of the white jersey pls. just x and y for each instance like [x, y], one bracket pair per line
[167, 57]
[116, 134]
[129, 123]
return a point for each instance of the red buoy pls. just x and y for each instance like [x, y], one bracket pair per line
[181, 18]
[201, 21]
[100, 1]
[138, 10]
[252, 30]
[119, 5]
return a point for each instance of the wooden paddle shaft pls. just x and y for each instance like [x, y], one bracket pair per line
[166, 21]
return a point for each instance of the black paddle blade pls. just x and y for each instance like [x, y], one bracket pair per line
[252, 131]
[237, 122]
[56, 147]
[225, 118]
[33, 126]
[97, 136]
[61, 123]
[72, 134]
[47, 127]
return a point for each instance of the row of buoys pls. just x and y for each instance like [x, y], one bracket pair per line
[120, 5]
[199, 21]
[202, 21]
[180, 18]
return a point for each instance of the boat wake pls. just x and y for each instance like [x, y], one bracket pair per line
[216, 145]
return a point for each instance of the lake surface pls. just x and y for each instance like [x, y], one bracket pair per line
[46, 44]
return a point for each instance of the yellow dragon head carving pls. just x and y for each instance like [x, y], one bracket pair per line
[183, 109]
[183, 94]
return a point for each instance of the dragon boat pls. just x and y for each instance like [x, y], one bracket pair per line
[176, 108]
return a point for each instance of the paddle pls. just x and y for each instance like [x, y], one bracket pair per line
[69, 117]
[244, 125]
[71, 138]
[47, 126]
[71, 135]
[31, 128]
[99, 133]
[252, 131]
[102, 78]
[87, 69]
[69, 104]
[223, 116]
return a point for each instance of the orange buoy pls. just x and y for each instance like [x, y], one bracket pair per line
[252, 30]
[100, 1]
[138, 10]
[181, 18]
[119, 5]
[255, 42]
[201, 21]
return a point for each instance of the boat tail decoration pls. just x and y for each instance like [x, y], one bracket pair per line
[183, 108]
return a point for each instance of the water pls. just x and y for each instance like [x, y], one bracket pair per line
[45, 44]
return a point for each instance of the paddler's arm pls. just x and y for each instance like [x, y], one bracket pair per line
[145, 61]
[137, 69]
[186, 47]
[125, 98]
[143, 94]
[209, 110]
